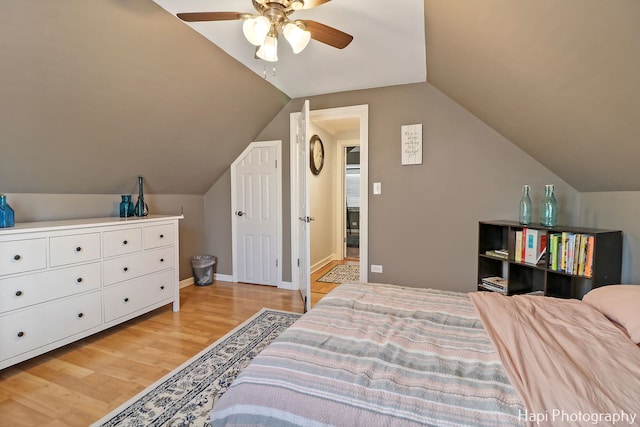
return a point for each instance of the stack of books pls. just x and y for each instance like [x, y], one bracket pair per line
[498, 253]
[531, 246]
[495, 284]
[571, 253]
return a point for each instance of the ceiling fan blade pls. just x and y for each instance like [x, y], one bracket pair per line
[328, 35]
[210, 16]
[308, 4]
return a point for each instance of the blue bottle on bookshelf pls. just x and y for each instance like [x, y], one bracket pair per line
[525, 206]
[7, 216]
[549, 207]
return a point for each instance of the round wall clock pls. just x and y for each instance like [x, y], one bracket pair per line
[316, 154]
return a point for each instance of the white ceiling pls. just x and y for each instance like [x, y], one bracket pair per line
[384, 52]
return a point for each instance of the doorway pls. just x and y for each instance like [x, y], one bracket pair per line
[351, 208]
[339, 128]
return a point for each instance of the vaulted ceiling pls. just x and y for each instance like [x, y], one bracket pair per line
[94, 93]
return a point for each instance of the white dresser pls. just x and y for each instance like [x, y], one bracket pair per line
[64, 280]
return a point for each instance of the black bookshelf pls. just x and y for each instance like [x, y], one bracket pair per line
[525, 277]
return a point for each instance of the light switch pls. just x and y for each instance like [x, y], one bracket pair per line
[377, 188]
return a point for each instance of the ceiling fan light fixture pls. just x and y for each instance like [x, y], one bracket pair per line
[296, 36]
[269, 49]
[255, 29]
[296, 4]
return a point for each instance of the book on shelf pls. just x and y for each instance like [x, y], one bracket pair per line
[498, 253]
[495, 283]
[518, 249]
[536, 245]
[571, 253]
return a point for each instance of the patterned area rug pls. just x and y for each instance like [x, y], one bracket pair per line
[185, 396]
[342, 273]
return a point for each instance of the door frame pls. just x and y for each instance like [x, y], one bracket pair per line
[278, 202]
[362, 113]
[341, 190]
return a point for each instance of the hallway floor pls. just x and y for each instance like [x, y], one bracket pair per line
[320, 289]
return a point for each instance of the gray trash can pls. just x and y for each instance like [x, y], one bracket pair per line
[203, 266]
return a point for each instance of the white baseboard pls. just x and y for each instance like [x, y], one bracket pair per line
[224, 277]
[228, 278]
[287, 286]
[186, 282]
[318, 265]
[190, 280]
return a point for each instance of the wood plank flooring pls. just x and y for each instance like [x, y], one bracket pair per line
[79, 383]
[320, 289]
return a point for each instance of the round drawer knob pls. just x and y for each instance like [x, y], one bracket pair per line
[126, 300]
[18, 293]
[79, 280]
[124, 242]
[162, 236]
[78, 249]
[162, 287]
[125, 269]
[80, 315]
[20, 334]
[17, 257]
[161, 259]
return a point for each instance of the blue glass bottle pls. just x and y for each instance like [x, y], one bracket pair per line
[7, 216]
[141, 208]
[126, 206]
[525, 206]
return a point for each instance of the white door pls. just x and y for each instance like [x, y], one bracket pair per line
[304, 249]
[255, 210]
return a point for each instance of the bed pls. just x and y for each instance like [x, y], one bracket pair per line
[386, 355]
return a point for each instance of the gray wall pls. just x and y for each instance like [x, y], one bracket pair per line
[423, 227]
[48, 207]
[617, 210]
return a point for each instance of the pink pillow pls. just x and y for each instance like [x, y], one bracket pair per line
[621, 304]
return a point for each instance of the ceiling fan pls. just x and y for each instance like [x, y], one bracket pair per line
[262, 29]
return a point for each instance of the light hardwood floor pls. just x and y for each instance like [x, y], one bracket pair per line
[320, 289]
[79, 383]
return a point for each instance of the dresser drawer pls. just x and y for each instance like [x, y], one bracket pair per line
[26, 290]
[35, 327]
[136, 265]
[128, 297]
[121, 242]
[159, 235]
[72, 249]
[18, 256]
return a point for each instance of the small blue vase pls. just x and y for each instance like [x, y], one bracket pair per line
[7, 216]
[126, 206]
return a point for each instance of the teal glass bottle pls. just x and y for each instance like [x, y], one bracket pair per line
[7, 215]
[549, 207]
[525, 207]
[126, 206]
[141, 208]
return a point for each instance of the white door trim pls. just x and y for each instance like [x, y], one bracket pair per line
[278, 196]
[362, 112]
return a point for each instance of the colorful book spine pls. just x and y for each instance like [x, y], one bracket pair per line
[588, 266]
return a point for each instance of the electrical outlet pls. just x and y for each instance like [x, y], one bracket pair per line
[377, 188]
[376, 268]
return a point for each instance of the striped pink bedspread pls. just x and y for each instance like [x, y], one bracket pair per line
[377, 355]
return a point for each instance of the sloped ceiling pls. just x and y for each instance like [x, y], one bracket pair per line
[95, 93]
[560, 79]
[381, 36]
